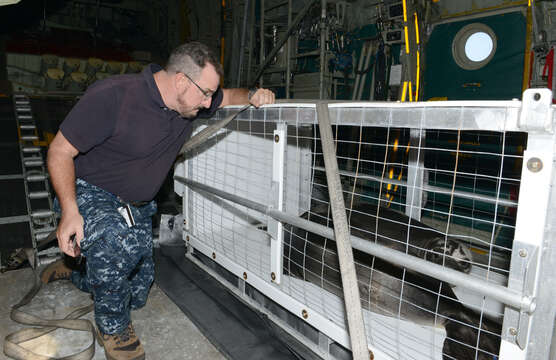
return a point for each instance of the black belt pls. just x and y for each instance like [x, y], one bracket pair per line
[133, 203]
[138, 203]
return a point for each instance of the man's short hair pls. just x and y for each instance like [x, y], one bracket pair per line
[190, 58]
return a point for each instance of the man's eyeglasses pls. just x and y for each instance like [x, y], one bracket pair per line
[206, 94]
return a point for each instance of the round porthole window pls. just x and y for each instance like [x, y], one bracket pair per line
[474, 46]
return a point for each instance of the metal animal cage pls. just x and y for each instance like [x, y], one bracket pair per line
[449, 206]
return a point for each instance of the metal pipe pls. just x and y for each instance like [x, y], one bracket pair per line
[14, 219]
[282, 41]
[478, 12]
[288, 52]
[242, 43]
[535, 37]
[11, 177]
[418, 54]
[431, 188]
[358, 72]
[373, 77]
[251, 41]
[261, 40]
[277, 5]
[404, 91]
[497, 292]
[322, 48]
[363, 80]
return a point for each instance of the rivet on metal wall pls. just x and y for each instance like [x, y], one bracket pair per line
[534, 164]
[512, 331]
[244, 276]
[214, 255]
[273, 276]
[305, 314]
[522, 252]
[276, 138]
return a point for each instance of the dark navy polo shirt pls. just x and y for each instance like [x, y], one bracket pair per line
[126, 137]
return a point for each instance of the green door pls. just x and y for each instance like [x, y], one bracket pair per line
[454, 73]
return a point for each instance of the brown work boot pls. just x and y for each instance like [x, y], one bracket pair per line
[123, 346]
[57, 270]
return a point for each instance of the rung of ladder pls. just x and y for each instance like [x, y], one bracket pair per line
[38, 194]
[43, 233]
[48, 252]
[31, 178]
[43, 230]
[22, 102]
[41, 236]
[30, 137]
[23, 109]
[46, 260]
[31, 149]
[42, 213]
[20, 96]
[25, 117]
[27, 127]
[33, 162]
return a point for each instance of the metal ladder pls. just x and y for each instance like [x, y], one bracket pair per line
[42, 219]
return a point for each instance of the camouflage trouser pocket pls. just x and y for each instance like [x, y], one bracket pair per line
[102, 219]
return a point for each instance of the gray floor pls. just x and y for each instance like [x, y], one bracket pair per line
[166, 333]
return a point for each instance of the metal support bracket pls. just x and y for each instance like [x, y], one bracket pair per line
[528, 291]
[536, 178]
[187, 205]
[536, 111]
[275, 227]
[415, 175]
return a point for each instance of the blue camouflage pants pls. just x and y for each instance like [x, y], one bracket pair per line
[119, 268]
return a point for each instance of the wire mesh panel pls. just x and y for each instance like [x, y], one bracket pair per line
[240, 161]
[439, 183]
[377, 212]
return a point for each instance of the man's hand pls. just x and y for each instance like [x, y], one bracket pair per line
[70, 233]
[262, 97]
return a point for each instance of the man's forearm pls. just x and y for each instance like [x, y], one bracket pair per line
[240, 96]
[236, 96]
[62, 175]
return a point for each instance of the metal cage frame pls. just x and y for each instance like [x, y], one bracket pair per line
[529, 313]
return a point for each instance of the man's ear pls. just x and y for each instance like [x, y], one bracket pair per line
[180, 82]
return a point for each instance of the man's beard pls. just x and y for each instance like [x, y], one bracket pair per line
[189, 112]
